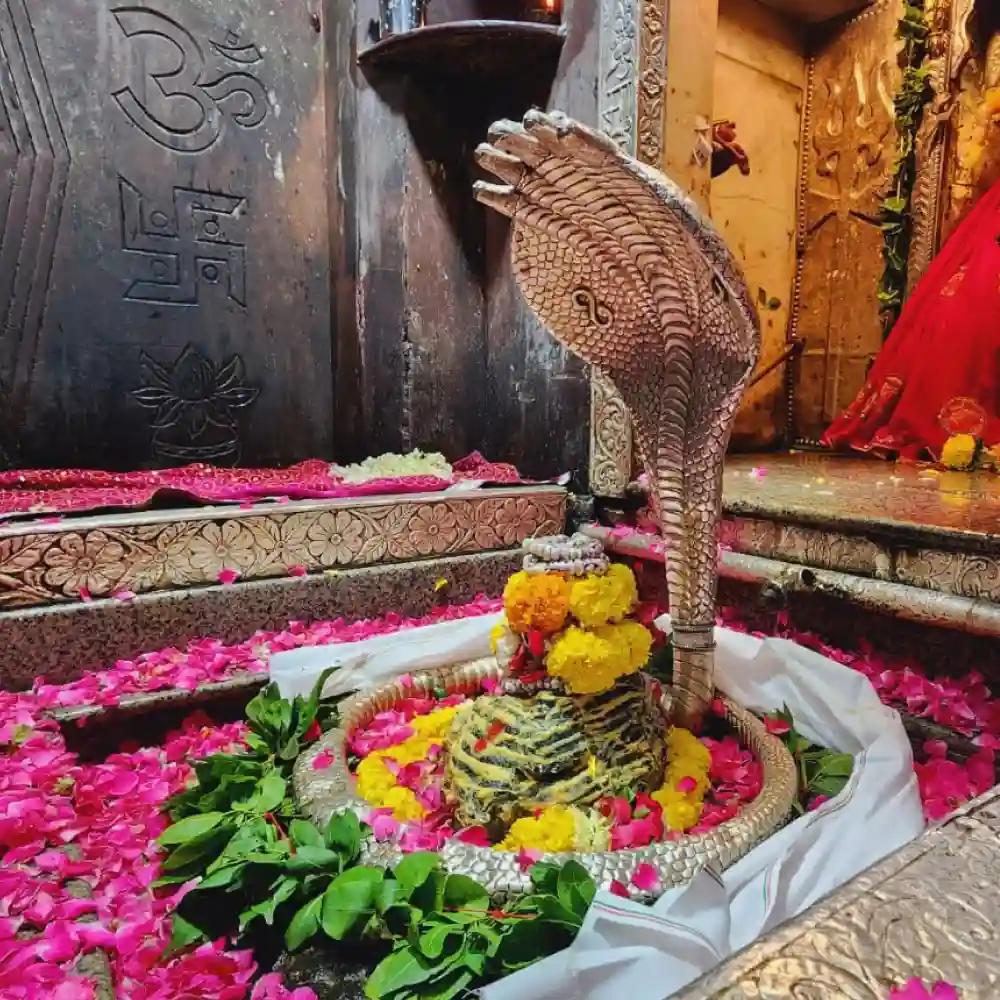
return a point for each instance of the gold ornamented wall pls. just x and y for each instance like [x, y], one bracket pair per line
[849, 142]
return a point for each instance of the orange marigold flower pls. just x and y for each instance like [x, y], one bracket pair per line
[536, 601]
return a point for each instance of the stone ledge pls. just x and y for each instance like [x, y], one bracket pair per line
[64, 641]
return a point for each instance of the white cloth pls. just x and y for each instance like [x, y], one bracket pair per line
[626, 949]
[373, 661]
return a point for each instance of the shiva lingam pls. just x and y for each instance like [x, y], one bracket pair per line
[626, 273]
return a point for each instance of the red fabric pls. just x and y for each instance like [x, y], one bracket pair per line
[43, 491]
[939, 372]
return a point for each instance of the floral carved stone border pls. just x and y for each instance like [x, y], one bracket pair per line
[139, 553]
[633, 71]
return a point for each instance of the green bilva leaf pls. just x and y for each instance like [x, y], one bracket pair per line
[554, 910]
[266, 908]
[224, 876]
[308, 858]
[464, 893]
[349, 900]
[388, 893]
[343, 834]
[545, 877]
[267, 796]
[200, 851]
[308, 715]
[304, 925]
[262, 712]
[183, 933]
[575, 888]
[403, 968]
[836, 765]
[305, 833]
[452, 984]
[528, 941]
[415, 868]
[432, 943]
[190, 828]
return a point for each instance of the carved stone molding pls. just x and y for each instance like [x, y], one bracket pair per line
[617, 108]
[147, 552]
[633, 68]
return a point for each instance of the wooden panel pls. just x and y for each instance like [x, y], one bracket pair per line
[538, 394]
[760, 75]
[164, 257]
[442, 352]
[849, 152]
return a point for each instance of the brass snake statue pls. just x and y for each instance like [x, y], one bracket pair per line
[627, 273]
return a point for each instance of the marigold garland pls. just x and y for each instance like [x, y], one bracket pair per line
[682, 794]
[557, 828]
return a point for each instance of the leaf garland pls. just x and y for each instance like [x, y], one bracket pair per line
[238, 835]
[896, 219]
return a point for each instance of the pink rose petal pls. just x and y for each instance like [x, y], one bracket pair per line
[527, 857]
[618, 889]
[646, 878]
[227, 576]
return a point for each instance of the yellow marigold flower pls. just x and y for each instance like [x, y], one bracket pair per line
[686, 780]
[435, 725]
[683, 743]
[634, 641]
[554, 829]
[403, 803]
[587, 663]
[959, 451]
[536, 601]
[679, 814]
[597, 599]
[374, 779]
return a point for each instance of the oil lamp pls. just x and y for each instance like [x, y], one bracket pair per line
[546, 11]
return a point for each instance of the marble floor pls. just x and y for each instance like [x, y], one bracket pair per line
[860, 494]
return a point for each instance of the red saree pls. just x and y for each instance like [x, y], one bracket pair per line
[939, 372]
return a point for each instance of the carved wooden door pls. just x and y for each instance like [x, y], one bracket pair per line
[849, 149]
[164, 260]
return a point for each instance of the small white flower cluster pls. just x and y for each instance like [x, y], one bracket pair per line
[393, 466]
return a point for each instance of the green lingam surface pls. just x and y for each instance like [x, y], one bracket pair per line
[510, 755]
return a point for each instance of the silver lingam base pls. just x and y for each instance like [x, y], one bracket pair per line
[330, 790]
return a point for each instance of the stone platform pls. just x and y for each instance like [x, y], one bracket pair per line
[860, 551]
[919, 527]
[303, 560]
[926, 912]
